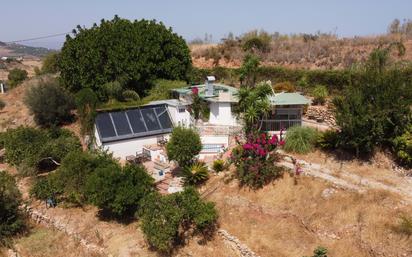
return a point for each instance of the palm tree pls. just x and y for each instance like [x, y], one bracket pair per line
[253, 105]
[196, 173]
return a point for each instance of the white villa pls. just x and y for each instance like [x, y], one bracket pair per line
[131, 132]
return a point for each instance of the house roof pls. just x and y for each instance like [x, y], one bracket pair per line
[288, 99]
[170, 102]
[133, 123]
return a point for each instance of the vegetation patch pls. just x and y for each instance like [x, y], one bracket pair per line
[255, 158]
[167, 221]
[122, 50]
[196, 173]
[16, 77]
[219, 165]
[373, 111]
[33, 150]
[50, 104]
[183, 146]
[11, 219]
[300, 139]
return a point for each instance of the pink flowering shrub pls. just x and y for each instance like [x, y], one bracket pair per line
[195, 90]
[254, 159]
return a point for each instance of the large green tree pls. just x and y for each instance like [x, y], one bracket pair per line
[376, 107]
[131, 52]
[119, 190]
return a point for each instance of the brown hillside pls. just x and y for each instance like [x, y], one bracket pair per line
[324, 52]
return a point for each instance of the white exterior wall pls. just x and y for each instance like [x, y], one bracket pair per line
[123, 148]
[180, 118]
[221, 114]
[224, 140]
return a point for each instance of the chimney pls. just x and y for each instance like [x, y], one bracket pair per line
[209, 85]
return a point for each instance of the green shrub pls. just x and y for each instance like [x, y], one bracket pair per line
[50, 63]
[50, 104]
[320, 93]
[161, 89]
[403, 146]
[130, 95]
[404, 226]
[320, 252]
[168, 220]
[45, 188]
[286, 86]
[219, 165]
[86, 102]
[16, 76]
[327, 140]
[11, 218]
[183, 146]
[27, 147]
[112, 90]
[119, 190]
[2, 104]
[196, 173]
[374, 110]
[300, 139]
[23, 143]
[72, 175]
[256, 40]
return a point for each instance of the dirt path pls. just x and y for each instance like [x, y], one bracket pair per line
[348, 180]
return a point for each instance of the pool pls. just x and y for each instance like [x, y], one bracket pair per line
[212, 148]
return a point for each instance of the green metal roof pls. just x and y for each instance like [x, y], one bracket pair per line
[288, 99]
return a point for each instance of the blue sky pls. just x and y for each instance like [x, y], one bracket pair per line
[21, 19]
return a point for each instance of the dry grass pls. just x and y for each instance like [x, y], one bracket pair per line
[285, 219]
[43, 242]
[326, 52]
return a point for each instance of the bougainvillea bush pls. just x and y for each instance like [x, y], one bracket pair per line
[254, 160]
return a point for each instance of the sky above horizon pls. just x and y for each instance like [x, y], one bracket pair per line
[24, 19]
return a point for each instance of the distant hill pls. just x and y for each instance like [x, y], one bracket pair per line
[23, 50]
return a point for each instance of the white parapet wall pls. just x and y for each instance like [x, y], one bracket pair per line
[221, 114]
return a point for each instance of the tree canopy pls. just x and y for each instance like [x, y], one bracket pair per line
[376, 107]
[130, 52]
[11, 219]
[50, 104]
[184, 145]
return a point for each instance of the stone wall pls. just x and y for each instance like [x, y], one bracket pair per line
[321, 113]
[45, 220]
[236, 245]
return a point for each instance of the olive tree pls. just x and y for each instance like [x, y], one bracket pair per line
[50, 103]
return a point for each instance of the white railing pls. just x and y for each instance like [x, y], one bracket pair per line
[276, 125]
[218, 130]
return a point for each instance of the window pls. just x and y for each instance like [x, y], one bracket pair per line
[181, 109]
